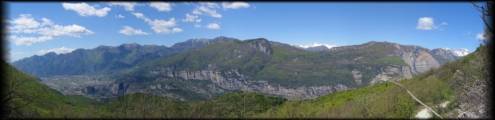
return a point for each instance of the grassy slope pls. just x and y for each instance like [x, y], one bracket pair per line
[34, 99]
[388, 100]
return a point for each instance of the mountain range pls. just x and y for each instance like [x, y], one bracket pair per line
[204, 68]
[457, 89]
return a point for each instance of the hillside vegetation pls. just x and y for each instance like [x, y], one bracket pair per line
[448, 83]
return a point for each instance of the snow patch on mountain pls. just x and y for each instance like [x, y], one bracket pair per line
[316, 45]
[458, 52]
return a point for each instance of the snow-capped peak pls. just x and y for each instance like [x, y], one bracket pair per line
[458, 52]
[316, 45]
[61, 50]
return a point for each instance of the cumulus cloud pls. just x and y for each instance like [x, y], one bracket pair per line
[141, 16]
[25, 30]
[27, 40]
[213, 26]
[129, 31]
[192, 18]
[161, 6]
[61, 50]
[428, 23]
[128, 6]
[164, 26]
[159, 25]
[84, 9]
[235, 5]
[25, 22]
[425, 23]
[207, 9]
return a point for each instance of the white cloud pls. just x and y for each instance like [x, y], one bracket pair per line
[175, 30]
[208, 9]
[213, 26]
[158, 25]
[127, 30]
[68, 30]
[209, 4]
[26, 40]
[428, 23]
[481, 36]
[316, 45]
[425, 23]
[61, 50]
[192, 18]
[25, 22]
[25, 30]
[141, 16]
[161, 6]
[128, 6]
[120, 16]
[235, 5]
[84, 9]
[164, 26]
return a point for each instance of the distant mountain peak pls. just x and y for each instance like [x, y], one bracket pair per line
[223, 37]
[130, 45]
[260, 44]
[458, 52]
[380, 42]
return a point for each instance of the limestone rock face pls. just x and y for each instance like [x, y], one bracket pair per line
[357, 77]
[392, 73]
[424, 61]
[418, 59]
[262, 45]
[233, 80]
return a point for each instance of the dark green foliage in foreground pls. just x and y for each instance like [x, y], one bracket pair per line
[235, 105]
[29, 98]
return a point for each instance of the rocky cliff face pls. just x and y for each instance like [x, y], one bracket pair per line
[233, 80]
[418, 59]
[444, 55]
[262, 45]
[392, 73]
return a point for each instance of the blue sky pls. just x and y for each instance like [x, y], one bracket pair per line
[38, 28]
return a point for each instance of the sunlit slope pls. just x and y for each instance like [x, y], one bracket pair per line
[450, 82]
[30, 98]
